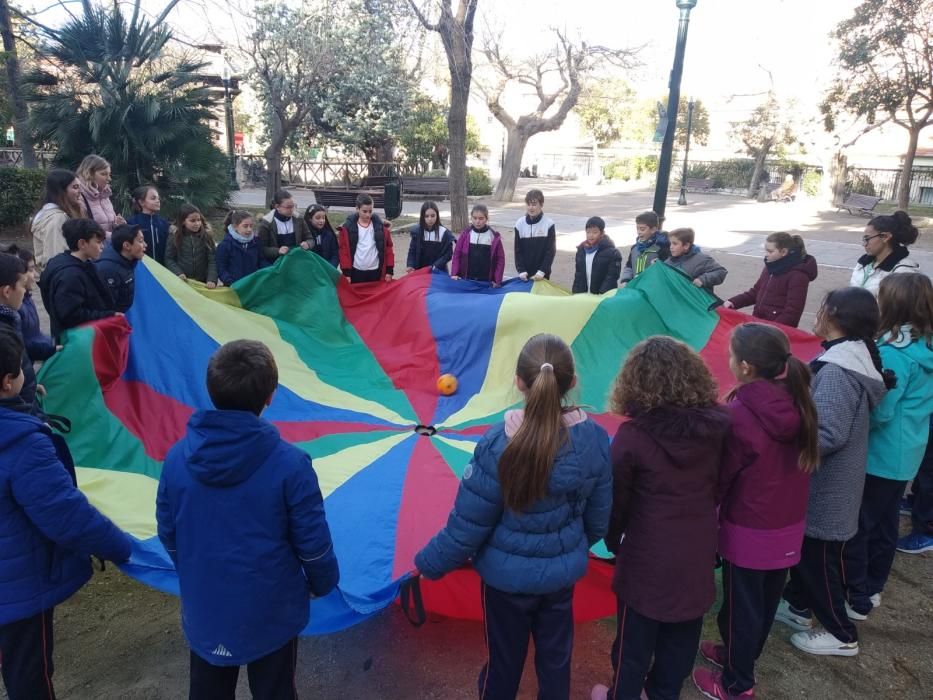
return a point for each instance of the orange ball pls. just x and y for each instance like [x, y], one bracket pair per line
[447, 384]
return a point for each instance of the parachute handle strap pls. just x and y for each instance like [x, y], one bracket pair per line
[412, 602]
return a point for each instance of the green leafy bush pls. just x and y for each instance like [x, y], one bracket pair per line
[733, 174]
[860, 183]
[20, 190]
[478, 183]
[811, 183]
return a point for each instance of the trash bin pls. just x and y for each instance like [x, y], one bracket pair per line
[393, 199]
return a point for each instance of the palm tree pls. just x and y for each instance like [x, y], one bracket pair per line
[107, 85]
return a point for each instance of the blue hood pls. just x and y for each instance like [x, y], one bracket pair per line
[225, 448]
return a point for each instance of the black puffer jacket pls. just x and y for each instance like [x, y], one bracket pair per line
[607, 266]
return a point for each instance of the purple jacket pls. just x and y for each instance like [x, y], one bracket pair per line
[459, 262]
[665, 465]
[763, 492]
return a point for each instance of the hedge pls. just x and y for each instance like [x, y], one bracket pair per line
[20, 190]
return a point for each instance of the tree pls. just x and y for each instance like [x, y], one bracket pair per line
[699, 130]
[603, 108]
[105, 85]
[455, 28]
[13, 88]
[767, 130]
[425, 140]
[885, 69]
[556, 78]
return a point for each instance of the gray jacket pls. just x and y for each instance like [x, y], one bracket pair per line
[699, 265]
[846, 387]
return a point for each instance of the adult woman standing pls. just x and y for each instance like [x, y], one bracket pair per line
[886, 239]
[94, 176]
[60, 201]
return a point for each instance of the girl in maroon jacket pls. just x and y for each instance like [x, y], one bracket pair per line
[764, 484]
[662, 529]
[780, 293]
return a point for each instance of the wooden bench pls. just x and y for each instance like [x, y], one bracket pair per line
[438, 187]
[337, 197]
[699, 184]
[861, 203]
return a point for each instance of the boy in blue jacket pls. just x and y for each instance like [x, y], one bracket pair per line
[48, 531]
[240, 512]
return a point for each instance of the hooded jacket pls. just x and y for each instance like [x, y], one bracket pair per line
[73, 293]
[48, 530]
[642, 255]
[460, 262]
[195, 256]
[698, 265]
[240, 512]
[544, 548]
[10, 317]
[267, 232]
[780, 293]
[119, 274]
[604, 274]
[900, 423]
[763, 491]
[47, 238]
[39, 346]
[845, 387]
[155, 230]
[665, 466]
[868, 275]
[236, 260]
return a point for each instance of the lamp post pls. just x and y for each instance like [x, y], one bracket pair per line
[667, 146]
[682, 200]
[228, 114]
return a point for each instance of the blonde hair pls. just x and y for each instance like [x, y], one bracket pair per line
[90, 166]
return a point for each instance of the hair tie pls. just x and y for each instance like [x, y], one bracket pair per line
[547, 365]
[788, 356]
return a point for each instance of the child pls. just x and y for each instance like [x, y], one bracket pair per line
[240, 512]
[94, 178]
[191, 252]
[432, 245]
[365, 255]
[280, 230]
[535, 240]
[763, 488]
[532, 501]
[479, 254]
[920, 538]
[239, 253]
[60, 201]
[325, 238]
[117, 264]
[72, 291]
[780, 293]
[146, 205]
[687, 257]
[13, 280]
[598, 261]
[886, 242]
[846, 386]
[39, 346]
[665, 463]
[49, 532]
[652, 245]
[898, 437]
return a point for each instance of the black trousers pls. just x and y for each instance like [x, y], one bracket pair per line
[271, 677]
[922, 512]
[26, 655]
[817, 584]
[510, 619]
[870, 554]
[365, 275]
[673, 645]
[749, 600]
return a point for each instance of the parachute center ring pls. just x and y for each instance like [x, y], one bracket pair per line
[426, 430]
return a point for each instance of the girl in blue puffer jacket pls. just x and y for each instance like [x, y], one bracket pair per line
[533, 500]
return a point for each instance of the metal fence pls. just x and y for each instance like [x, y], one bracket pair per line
[735, 174]
[301, 172]
[881, 182]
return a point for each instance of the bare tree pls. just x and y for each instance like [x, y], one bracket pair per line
[20, 110]
[455, 27]
[557, 80]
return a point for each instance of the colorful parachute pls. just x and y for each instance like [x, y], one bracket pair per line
[357, 373]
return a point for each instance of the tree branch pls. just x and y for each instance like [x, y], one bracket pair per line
[430, 26]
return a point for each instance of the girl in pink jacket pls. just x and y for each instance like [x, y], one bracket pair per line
[94, 177]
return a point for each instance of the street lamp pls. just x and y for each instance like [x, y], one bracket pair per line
[228, 114]
[667, 146]
[682, 200]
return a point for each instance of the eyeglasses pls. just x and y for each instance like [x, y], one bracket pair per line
[865, 239]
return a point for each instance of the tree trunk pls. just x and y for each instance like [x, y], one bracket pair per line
[754, 184]
[273, 170]
[20, 110]
[903, 187]
[511, 168]
[456, 128]
[838, 170]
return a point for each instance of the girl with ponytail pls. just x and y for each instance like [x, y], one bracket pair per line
[848, 383]
[532, 501]
[763, 488]
[886, 242]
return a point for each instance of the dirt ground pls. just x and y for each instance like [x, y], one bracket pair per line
[119, 639]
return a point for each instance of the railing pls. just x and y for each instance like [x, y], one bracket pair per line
[735, 174]
[13, 158]
[300, 172]
[880, 182]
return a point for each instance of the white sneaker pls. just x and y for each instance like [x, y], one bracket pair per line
[855, 615]
[822, 643]
[876, 600]
[792, 617]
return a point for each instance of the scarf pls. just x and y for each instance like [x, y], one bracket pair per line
[641, 246]
[281, 217]
[785, 264]
[237, 237]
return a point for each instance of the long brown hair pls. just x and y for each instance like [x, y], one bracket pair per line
[906, 299]
[768, 351]
[57, 182]
[184, 211]
[545, 365]
[790, 242]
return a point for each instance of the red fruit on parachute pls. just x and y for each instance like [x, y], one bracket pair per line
[447, 384]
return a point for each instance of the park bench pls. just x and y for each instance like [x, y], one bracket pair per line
[339, 197]
[438, 187]
[861, 203]
[699, 184]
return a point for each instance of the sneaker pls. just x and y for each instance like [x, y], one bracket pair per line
[915, 543]
[800, 620]
[875, 600]
[855, 614]
[599, 692]
[710, 684]
[713, 652]
[822, 643]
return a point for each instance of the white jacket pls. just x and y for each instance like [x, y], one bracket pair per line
[868, 275]
[47, 238]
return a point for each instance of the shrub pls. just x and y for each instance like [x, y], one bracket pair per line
[860, 183]
[733, 174]
[811, 183]
[478, 183]
[436, 173]
[20, 190]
